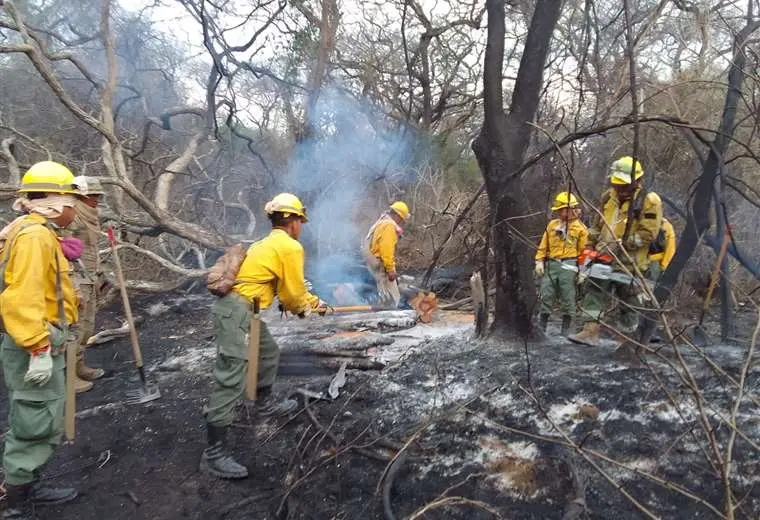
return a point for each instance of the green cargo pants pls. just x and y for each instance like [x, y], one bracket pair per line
[232, 317]
[603, 296]
[35, 415]
[85, 327]
[557, 285]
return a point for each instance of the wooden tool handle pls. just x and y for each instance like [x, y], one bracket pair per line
[354, 308]
[125, 301]
[254, 337]
[70, 409]
[716, 270]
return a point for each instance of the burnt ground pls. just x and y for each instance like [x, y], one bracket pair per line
[460, 402]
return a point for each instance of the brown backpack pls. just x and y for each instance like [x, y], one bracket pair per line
[222, 276]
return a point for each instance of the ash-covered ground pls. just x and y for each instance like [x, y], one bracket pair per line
[480, 425]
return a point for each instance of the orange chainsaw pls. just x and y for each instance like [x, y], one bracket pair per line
[593, 264]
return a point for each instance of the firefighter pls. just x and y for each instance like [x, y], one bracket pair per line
[561, 244]
[612, 235]
[272, 266]
[662, 250]
[86, 227]
[379, 251]
[37, 304]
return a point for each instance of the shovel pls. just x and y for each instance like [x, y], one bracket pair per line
[697, 332]
[146, 392]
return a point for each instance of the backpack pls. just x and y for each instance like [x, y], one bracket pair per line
[223, 274]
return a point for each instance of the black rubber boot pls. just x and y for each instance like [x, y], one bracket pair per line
[267, 404]
[18, 504]
[567, 322]
[215, 459]
[42, 495]
[543, 322]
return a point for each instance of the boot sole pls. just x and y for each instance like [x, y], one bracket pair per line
[91, 378]
[205, 468]
[60, 501]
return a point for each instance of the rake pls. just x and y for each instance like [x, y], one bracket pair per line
[146, 392]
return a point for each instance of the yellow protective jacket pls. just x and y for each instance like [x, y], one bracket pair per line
[562, 241]
[29, 301]
[383, 237]
[666, 256]
[643, 231]
[274, 266]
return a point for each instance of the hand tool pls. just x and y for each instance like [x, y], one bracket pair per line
[146, 392]
[254, 338]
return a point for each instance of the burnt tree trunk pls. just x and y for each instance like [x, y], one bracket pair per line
[500, 150]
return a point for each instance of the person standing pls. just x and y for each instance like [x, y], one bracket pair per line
[627, 243]
[561, 244]
[273, 266]
[37, 305]
[662, 250]
[379, 251]
[86, 227]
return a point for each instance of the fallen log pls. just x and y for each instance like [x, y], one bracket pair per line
[303, 366]
[456, 305]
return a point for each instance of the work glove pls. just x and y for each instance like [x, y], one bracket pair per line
[72, 248]
[392, 276]
[634, 242]
[324, 308]
[582, 277]
[40, 367]
[539, 270]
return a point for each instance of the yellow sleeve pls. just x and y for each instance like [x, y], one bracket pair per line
[291, 283]
[543, 247]
[650, 220]
[23, 300]
[582, 237]
[386, 239]
[670, 245]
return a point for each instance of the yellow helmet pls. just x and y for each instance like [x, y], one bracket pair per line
[48, 177]
[564, 200]
[288, 204]
[401, 209]
[620, 172]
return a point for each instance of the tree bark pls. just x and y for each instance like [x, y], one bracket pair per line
[500, 149]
